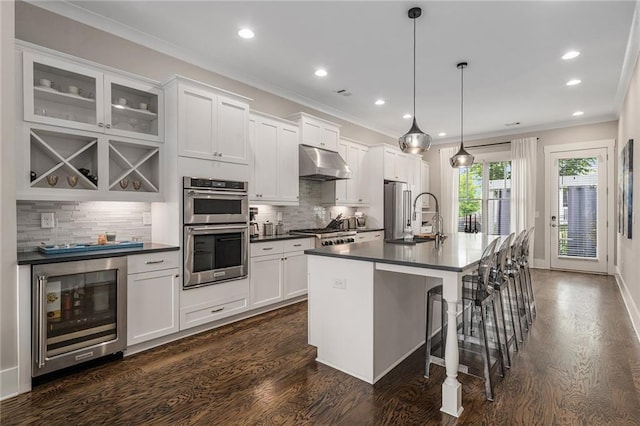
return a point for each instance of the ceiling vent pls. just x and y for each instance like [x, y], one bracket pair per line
[343, 92]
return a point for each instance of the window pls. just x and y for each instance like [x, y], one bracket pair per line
[484, 195]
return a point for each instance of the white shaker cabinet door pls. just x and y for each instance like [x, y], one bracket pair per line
[197, 123]
[288, 164]
[233, 119]
[152, 305]
[266, 280]
[265, 161]
[295, 274]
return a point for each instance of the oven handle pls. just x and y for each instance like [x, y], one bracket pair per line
[227, 194]
[192, 229]
[42, 285]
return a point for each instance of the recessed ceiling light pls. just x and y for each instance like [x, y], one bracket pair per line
[570, 54]
[574, 82]
[380, 102]
[442, 134]
[578, 113]
[246, 33]
[321, 72]
[406, 116]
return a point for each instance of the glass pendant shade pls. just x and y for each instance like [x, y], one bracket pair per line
[462, 158]
[415, 141]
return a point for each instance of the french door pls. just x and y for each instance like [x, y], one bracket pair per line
[578, 210]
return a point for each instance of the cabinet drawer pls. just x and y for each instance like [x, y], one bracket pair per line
[153, 261]
[203, 314]
[266, 248]
[298, 244]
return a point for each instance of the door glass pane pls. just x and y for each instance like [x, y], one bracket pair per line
[81, 309]
[470, 199]
[577, 207]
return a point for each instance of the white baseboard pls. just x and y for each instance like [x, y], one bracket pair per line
[632, 309]
[8, 383]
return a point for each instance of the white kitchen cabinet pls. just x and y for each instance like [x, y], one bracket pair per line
[274, 160]
[67, 164]
[317, 132]
[424, 179]
[354, 191]
[294, 274]
[212, 124]
[153, 285]
[203, 305]
[266, 280]
[63, 92]
[414, 181]
[364, 236]
[278, 270]
[395, 165]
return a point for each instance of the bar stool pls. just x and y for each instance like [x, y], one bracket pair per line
[526, 272]
[479, 294]
[512, 268]
[502, 284]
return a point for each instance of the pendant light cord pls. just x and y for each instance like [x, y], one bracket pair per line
[414, 68]
[461, 106]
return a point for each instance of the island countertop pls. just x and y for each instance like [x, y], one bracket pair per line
[458, 252]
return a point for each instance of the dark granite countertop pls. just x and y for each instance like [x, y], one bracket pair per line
[263, 238]
[37, 258]
[457, 253]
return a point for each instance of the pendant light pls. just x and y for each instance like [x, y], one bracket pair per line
[415, 141]
[462, 157]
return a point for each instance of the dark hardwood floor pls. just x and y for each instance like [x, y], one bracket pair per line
[580, 365]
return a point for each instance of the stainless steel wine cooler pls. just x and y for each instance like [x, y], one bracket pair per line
[79, 312]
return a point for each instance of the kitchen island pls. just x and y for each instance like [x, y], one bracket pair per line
[367, 304]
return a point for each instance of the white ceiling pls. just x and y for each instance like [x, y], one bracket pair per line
[515, 72]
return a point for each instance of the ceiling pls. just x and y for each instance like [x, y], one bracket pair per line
[514, 50]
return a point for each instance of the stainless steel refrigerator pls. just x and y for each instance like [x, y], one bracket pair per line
[397, 209]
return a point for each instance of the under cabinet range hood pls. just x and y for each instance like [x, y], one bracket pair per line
[321, 164]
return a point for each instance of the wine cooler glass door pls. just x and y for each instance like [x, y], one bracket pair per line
[76, 312]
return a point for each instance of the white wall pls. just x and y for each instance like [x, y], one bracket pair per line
[628, 251]
[8, 296]
[565, 135]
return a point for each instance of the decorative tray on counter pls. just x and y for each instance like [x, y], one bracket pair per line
[74, 248]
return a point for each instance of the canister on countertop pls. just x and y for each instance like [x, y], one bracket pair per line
[267, 228]
[279, 228]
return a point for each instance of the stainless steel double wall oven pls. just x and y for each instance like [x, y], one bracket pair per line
[216, 231]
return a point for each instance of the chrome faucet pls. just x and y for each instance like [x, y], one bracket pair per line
[437, 219]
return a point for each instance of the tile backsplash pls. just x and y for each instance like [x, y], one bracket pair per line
[310, 214]
[79, 222]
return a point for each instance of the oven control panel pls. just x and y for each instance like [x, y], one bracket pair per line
[206, 183]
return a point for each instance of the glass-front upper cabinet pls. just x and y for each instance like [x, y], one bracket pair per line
[65, 93]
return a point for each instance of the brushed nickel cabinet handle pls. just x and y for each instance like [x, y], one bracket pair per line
[217, 310]
[154, 262]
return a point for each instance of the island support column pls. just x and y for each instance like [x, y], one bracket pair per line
[451, 388]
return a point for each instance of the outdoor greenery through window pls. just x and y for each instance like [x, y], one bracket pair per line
[484, 197]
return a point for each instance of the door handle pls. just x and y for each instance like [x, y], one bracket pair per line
[42, 318]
